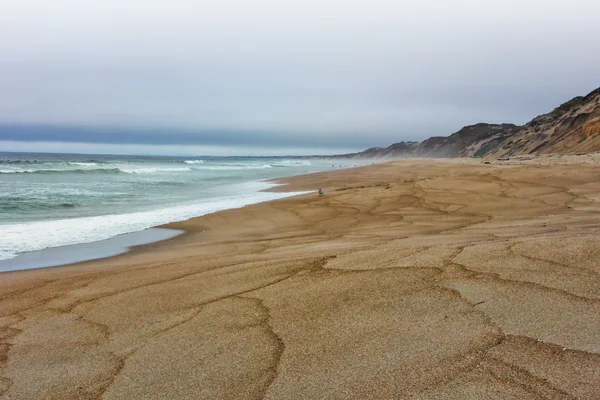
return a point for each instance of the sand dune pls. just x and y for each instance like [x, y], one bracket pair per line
[410, 279]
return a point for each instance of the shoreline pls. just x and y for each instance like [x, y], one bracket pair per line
[292, 183]
[139, 193]
[113, 246]
[82, 252]
[411, 278]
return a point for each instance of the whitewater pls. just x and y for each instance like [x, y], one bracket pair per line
[49, 200]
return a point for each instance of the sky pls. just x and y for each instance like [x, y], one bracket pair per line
[265, 77]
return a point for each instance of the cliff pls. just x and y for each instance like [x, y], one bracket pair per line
[464, 142]
[572, 127]
[397, 150]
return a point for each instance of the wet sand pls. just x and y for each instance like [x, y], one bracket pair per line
[77, 253]
[419, 279]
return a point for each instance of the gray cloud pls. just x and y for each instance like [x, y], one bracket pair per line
[313, 74]
[175, 136]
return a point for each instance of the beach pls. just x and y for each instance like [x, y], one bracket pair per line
[416, 278]
[87, 198]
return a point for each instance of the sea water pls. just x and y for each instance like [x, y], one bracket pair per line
[53, 200]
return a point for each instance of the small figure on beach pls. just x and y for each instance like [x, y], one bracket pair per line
[321, 192]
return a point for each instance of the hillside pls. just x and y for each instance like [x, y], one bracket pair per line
[573, 127]
[460, 143]
[397, 150]
[570, 128]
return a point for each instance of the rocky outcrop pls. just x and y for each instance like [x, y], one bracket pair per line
[591, 128]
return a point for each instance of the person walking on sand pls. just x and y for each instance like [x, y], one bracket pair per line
[321, 192]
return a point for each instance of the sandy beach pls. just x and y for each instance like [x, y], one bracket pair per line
[417, 279]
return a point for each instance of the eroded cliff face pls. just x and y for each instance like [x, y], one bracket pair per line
[571, 128]
[464, 143]
[460, 144]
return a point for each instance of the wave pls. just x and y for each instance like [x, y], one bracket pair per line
[107, 170]
[292, 163]
[27, 205]
[46, 162]
[32, 236]
[83, 164]
[237, 167]
[152, 170]
[93, 167]
[60, 171]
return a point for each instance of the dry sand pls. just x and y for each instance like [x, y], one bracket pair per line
[424, 279]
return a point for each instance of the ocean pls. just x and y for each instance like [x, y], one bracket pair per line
[54, 200]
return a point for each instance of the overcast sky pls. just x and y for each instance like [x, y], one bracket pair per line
[265, 77]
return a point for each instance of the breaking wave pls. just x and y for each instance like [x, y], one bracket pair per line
[107, 170]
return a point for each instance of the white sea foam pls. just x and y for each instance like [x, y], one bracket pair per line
[193, 162]
[55, 170]
[90, 169]
[133, 169]
[83, 164]
[32, 236]
[237, 167]
[293, 163]
[152, 170]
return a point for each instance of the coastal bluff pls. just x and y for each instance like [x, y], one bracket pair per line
[572, 127]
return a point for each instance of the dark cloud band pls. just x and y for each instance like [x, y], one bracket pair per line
[49, 133]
